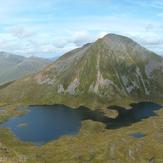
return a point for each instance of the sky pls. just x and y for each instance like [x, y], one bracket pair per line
[49, 28]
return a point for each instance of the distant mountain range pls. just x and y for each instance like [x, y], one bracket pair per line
[13, 67]
[111, 70]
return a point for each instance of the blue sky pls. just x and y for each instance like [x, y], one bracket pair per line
[49, 28]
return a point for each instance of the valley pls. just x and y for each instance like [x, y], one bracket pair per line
[81, 81]
[98, 103]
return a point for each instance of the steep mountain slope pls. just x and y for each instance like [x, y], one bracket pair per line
[14, 67]
[112, 69]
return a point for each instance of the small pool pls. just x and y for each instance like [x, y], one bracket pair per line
[137, 135]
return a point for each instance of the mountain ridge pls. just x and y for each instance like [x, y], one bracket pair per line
[14, 67]
[114, 68]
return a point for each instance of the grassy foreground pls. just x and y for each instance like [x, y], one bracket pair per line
[93, 144]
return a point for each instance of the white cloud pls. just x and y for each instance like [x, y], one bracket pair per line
[82, 37]
[21, 32]
[102, 34]
[31, 37]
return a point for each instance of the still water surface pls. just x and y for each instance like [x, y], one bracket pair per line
[45, 123]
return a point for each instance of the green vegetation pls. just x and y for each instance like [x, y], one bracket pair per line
[113, 70]
[93, 144]
[9, 111]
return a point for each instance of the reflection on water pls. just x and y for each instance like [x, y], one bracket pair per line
[45, 123]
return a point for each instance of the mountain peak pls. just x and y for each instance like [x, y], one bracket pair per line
[120, 44]
[111, 69]
[111, 37]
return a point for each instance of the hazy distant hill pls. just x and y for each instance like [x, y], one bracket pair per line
[14, 67]
[113, 68]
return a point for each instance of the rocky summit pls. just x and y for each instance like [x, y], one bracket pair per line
[112, 69]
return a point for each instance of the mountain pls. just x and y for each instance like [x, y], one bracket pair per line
[114, 69]
[14, 67]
